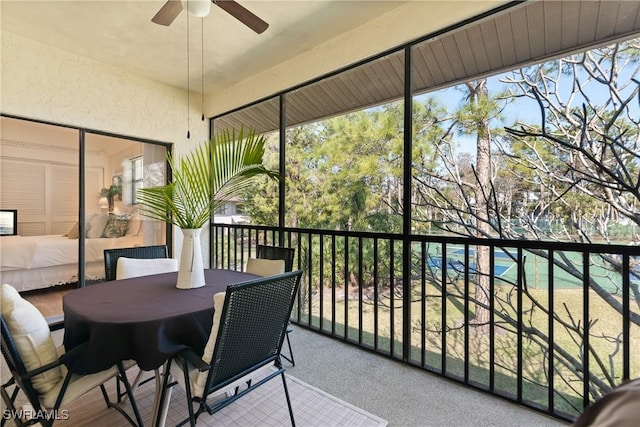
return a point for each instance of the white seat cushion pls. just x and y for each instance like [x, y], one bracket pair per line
[32, 337]
[135, 267]
[265, 267]
[199, 379]
[78, 385]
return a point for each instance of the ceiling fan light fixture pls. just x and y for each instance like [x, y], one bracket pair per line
[199, 8]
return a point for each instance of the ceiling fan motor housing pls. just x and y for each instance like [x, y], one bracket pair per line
[200, 8]
[172, 8]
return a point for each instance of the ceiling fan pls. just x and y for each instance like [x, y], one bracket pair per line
[172, 9]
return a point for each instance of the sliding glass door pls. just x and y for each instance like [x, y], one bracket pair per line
[115, 169]
[74, 193]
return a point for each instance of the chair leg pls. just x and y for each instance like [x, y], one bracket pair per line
[166, 385]
[9, 401]
[286, 393]
[128, 391]
[289, 358]
[137, 382]
[187, 383]
[163, 393]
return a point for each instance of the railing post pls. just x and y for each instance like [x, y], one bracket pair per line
[282, 171]
[406, 212]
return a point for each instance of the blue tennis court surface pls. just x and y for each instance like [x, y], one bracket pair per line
[498, 253]
[457, 266]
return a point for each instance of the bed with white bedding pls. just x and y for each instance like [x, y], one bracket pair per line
[34, 262]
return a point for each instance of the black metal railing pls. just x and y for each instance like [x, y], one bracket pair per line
[550, 325]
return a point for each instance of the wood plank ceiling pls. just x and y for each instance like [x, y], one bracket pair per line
[527, 33]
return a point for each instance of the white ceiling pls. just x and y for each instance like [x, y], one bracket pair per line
[121, 33]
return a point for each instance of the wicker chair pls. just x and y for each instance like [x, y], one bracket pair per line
[277, 252]
[286, 254]
[141, 252]
[37, 367]
[249, 327]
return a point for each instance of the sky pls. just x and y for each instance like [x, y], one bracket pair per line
[526, 110]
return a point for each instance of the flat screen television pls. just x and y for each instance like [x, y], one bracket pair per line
[8, 222]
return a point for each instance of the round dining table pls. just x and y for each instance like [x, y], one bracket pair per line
[146, 319]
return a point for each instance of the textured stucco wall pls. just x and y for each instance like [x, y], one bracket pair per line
[50, 84]
[45, 83]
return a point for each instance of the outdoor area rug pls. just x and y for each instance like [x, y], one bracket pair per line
[265, 406]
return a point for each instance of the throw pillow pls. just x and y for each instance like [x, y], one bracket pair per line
[74, 233]
[32, 337]
[87, 222]
[97, 225]
[134, 227]
[116, 227]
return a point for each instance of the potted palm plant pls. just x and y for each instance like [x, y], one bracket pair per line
[110, 193]
[202, 182]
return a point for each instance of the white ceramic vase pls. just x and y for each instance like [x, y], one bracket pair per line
[191, 271]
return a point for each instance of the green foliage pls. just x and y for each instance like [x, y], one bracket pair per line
[343, 173]
[206, 179]
[113, 190]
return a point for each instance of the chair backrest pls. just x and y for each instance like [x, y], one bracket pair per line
[144, 252]
[265, 267]
[252, 328]
[277, 252]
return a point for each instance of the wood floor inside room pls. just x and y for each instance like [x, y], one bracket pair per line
[48, 301]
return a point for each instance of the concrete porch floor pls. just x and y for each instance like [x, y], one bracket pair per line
[402, 395]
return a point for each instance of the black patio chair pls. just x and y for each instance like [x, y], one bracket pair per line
[286, 254]
[141, 252]
[38, 372]
[277, 252]
[111, 269]
[249, 327]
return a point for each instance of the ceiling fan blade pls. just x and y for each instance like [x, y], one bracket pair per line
[168, 12]
[243, 15]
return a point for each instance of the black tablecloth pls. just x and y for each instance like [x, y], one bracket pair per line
[145, 319]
